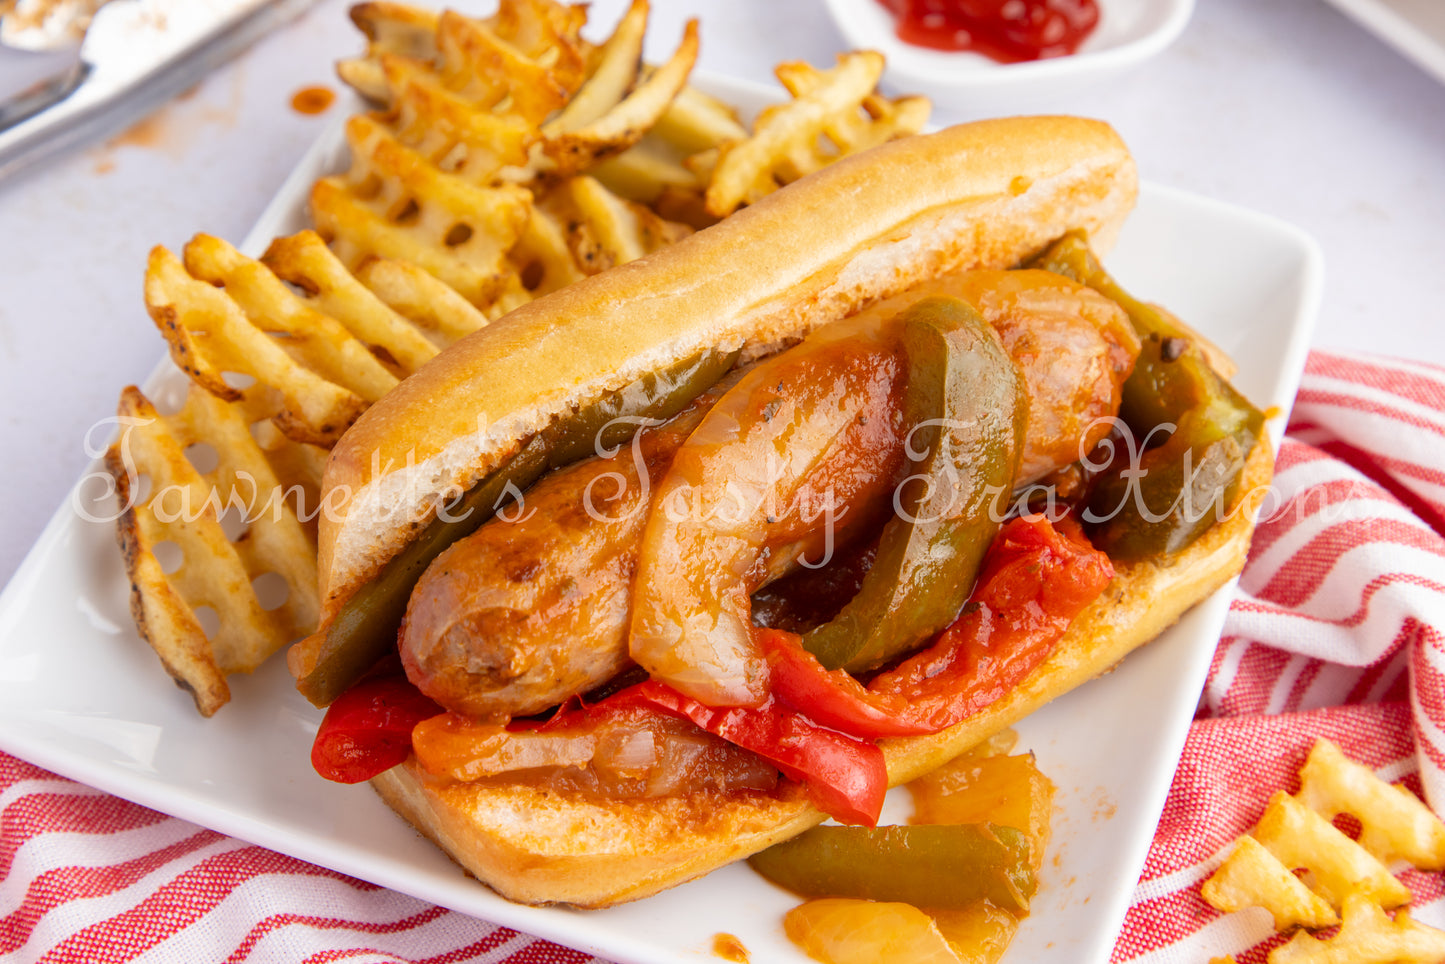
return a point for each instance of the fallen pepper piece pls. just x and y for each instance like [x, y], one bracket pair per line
[1006, 790]
[942, 866]
[367, 730]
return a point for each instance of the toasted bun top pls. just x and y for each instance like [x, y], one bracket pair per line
[987, 194]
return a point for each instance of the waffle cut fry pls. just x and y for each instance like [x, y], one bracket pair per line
[225, 540]
[401, 342]
[599, 229]
[661, 170]
[448, 129]
[223, 312]
[1251, 876]
[833, 113]
[394, 203]
[506, 157]
[324, 343]
[434, 181]
[538, 40]
[431, 181]
[1309, 874]
[391, 29]
[1337, 866]
[526, 70]
[1395, 824]
[620, 102]
[421, 299]
[1367, 936]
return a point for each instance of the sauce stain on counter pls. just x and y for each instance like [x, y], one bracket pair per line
[147, 132]
[312, 100]
[174, 127]
[729, 948]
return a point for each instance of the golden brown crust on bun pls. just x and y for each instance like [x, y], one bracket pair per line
[537, 847]
[987, 194]
[541, 847]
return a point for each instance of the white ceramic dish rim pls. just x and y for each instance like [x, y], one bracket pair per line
[617, 934]
[1397, 28]
[866, 25]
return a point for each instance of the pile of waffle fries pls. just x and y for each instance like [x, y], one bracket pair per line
[503, 158]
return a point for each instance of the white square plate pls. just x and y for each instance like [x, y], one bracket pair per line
[82, 695]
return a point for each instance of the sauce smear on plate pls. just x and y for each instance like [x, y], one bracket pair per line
[729, 948]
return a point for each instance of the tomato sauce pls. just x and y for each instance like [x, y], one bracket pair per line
[729, 948]
[312, 100]
[1008, 31]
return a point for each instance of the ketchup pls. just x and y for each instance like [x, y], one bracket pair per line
[1006, 30]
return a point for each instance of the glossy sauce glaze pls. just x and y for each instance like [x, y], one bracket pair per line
[483, 627]
[729, 948]
[312, 100]
[1074, 347]
[621, 753]
[1008, 31]
[980, 786]
[535, 606]
[802, 451]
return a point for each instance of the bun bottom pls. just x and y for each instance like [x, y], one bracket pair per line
[541, 847]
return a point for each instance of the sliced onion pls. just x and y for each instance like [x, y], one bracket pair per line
[454, 748]
[843, 931]
[626, 757]
[630, 753]
[780, 468]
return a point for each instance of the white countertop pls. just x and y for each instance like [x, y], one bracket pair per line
[1283, 106]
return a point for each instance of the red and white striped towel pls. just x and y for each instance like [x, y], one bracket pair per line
[1336, 631]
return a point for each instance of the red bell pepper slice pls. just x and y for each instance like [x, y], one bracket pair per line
[1034, 582]
[367, 730]
[846, 778]
[832, 697]
[815, 725]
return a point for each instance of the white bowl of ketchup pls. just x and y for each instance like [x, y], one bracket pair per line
[1127, 33]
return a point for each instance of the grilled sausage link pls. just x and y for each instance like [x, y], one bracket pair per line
[526, 612]
[533, 606]
[1073, 346]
